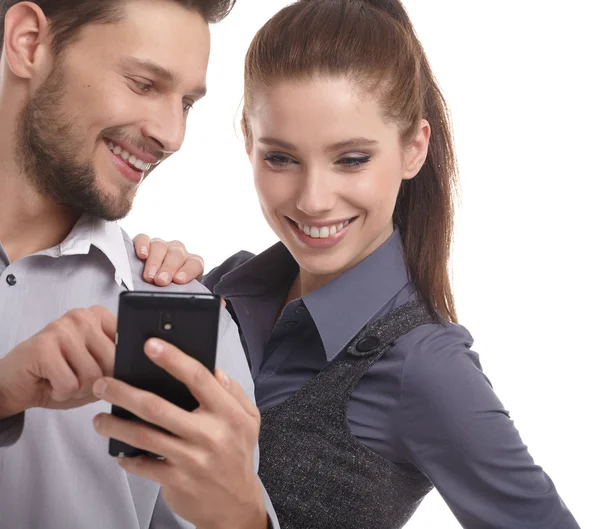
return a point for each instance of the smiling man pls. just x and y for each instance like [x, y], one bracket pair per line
[92, 96]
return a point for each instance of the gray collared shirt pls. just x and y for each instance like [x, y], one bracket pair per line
[426, 404]
[55, 471]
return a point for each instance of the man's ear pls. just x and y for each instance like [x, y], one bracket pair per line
[27, 39]
[416, 150]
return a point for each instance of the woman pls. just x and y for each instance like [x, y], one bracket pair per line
[369, 391]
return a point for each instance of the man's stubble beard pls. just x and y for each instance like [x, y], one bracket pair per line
[48, 143]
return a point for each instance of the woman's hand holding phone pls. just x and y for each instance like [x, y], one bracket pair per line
[207, 474]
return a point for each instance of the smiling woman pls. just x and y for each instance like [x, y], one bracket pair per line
[369, 390]
[524, 253]
[345, 174]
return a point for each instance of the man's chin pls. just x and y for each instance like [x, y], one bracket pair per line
[109, 209]
[116, 214]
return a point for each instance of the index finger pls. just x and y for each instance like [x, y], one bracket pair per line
[141, 244]
[205, 388]
[108, 321]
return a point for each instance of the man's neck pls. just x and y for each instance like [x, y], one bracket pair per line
[29, 222]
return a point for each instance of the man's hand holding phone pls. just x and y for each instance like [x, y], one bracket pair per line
[207, 474]
[57, 367]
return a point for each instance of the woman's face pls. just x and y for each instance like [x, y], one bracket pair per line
[327, 170]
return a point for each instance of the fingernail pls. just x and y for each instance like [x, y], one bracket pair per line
[225, 380]
[155, 348]
[152, 272]
[164, 277]
[97, 422]
[144, 251]
[99, 388]
[181, 276]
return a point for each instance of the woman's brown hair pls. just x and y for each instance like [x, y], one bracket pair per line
[373, 44]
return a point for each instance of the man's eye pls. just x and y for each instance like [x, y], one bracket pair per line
[187, 107]
[142, 86]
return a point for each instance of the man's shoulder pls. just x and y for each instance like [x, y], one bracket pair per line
[137, 270]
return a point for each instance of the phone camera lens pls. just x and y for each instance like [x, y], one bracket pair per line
[166, 322]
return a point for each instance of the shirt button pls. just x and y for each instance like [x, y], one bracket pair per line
[11, 280]
[290, 324]
[300, 310]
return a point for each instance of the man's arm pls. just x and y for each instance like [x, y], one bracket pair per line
[56, 367]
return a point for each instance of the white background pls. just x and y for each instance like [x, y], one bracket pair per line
[521, 80]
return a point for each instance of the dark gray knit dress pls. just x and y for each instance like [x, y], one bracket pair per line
[317, 474]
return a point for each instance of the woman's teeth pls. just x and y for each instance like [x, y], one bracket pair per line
[129, 158]
[321, 233]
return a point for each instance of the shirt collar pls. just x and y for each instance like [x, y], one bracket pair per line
[342, 307]
[105, 236]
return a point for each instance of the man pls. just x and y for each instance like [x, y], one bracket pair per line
[92, 96]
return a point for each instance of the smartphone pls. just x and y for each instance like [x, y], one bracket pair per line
[188, 321]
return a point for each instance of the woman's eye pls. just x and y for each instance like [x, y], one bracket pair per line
[278, 160]
[353, 161]
[187, 107]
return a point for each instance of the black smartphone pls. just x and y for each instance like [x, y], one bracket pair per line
[188, 321]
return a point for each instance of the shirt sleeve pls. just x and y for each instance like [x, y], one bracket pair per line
[457, 432]
[231, 358]
[11, 429]
[165, 518]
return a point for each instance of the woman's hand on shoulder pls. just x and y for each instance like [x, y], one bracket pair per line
[167, 262]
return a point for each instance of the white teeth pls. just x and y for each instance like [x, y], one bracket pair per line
[322, 233]
[134, 161]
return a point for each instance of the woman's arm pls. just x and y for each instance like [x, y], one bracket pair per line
[456, 430]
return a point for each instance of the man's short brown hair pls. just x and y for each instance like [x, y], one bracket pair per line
[67, 17]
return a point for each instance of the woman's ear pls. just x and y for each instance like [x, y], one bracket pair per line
[245, 132]
[416, 150]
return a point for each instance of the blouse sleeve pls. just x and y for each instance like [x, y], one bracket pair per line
[457, 432]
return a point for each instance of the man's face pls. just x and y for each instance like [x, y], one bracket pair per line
[115, 103]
